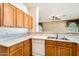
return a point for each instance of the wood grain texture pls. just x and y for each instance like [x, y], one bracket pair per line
[4, 51]
[1, 13]
[50, 50]
[17, 52]
[20, 20]
[60, 48]
[16, 46]
[51, 42]
[77, 49]
[26, 21]
[64, 44]
[27, 50]
[30, 22]
[64, 51]
[21, 49]
[8, 15]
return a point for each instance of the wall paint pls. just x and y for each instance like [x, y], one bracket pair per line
[34, 12]
[21, 6]
[71, 10]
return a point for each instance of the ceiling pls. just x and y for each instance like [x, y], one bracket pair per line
[70, 10]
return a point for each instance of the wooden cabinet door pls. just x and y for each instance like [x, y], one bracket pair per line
[77, 52]
[1, 13]
[17, 52]
[77, 49]
[26, 21]
[50, 50]
[9, 13]
[64, 51]
[27, 50]
[20, 20]
[30, 22]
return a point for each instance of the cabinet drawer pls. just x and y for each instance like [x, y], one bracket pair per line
[77, 49]
[17, 52]
[78, 46]
[50, 42]
[27, 50]
[14, 47]
[27, 41]
[67, 44]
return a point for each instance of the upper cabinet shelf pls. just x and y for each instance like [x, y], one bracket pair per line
[10, 16]
[45, 21]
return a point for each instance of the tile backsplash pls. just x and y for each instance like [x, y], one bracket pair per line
[5, 30]
[55, 26]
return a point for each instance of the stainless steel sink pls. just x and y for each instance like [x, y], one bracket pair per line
[50, 37]
[58, 36]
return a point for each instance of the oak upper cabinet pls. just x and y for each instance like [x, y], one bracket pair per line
[8, 15]
[30, 22]
[20, 20]
[0, 14]
[26, 21]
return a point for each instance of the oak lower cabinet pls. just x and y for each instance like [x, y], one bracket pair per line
[50, 50]
[64, 51]
[64, 48]
[77, 49]
[20, 49]
[59, 48]
[27, 48]
[4, 51]
[17, 52]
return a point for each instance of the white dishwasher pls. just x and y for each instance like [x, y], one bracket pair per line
[38, 47]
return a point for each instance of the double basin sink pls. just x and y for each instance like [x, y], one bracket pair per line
[58, 36]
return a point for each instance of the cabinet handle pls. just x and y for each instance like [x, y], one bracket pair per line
[48, 45]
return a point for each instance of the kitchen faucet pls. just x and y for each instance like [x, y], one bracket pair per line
[57, 36]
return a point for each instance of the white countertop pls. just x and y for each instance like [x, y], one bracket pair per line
[9, 42]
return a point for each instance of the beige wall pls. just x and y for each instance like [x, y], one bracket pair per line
[34, 13]
[21, 6]
[55, 26]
